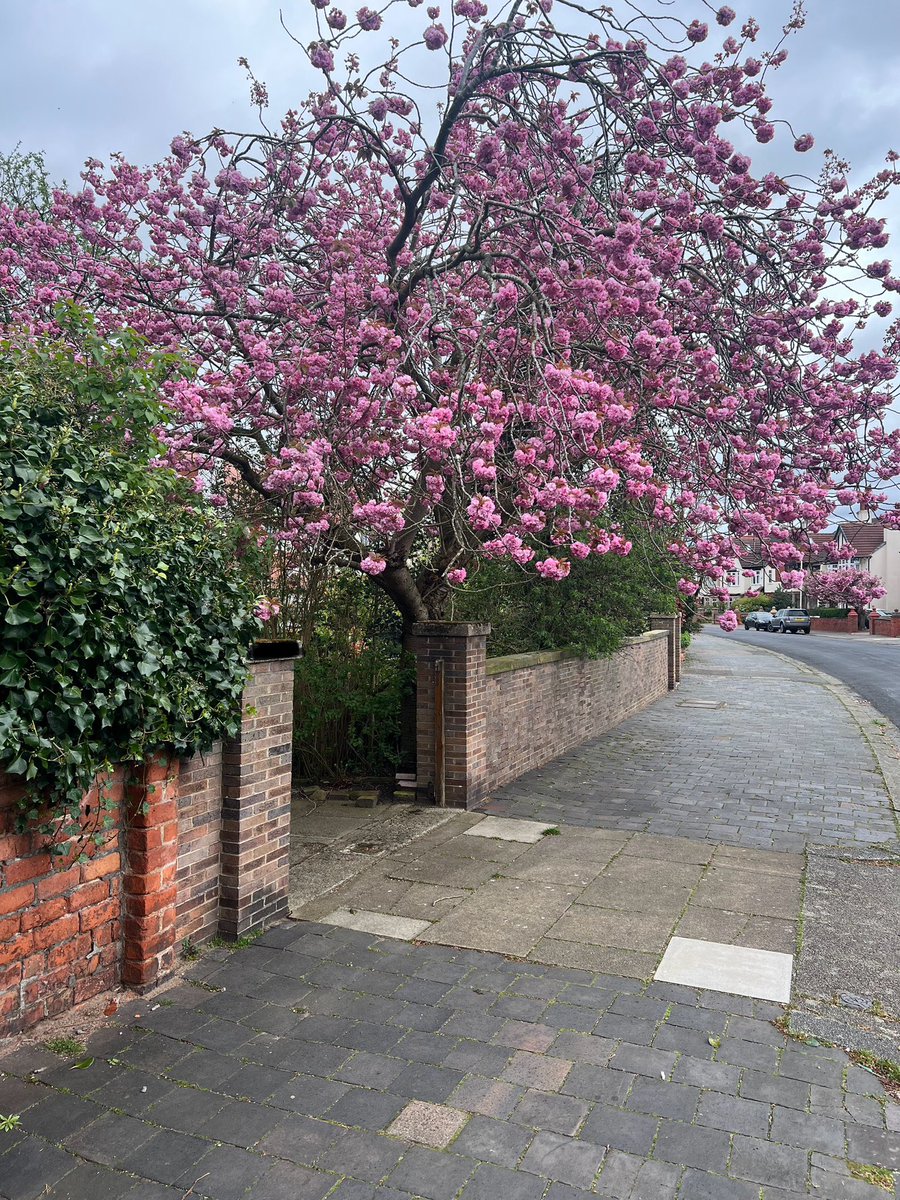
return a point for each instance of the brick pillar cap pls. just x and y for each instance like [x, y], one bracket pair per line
[450, 629]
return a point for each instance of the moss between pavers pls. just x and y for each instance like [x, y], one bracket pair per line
[877, 1176]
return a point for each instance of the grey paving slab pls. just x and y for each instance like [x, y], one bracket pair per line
[622, 930]
[574, 857]
[509, 916]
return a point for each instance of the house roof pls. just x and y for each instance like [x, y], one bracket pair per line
[864, 536]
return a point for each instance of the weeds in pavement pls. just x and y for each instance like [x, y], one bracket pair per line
[877, 1176]
[66, 1047]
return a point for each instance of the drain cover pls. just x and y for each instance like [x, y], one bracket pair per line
[700, 703]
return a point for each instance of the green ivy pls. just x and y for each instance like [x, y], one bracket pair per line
[126, 622]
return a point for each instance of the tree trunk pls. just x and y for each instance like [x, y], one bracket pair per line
[417, 599]
[397, 583]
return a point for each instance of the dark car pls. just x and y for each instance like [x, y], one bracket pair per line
[757, 620]
[790, 620]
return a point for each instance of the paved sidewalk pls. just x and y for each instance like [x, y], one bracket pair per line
[518, 1047]
[587, 898]
[325, 1062]
[777, 763]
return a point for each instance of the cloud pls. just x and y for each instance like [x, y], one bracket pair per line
[84, 79]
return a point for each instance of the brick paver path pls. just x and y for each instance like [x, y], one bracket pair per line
[779, 764]
[321, 1062]
[278, 1074]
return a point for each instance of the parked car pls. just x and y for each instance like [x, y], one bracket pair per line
[757, 620]
[790, 620]
[879, 612]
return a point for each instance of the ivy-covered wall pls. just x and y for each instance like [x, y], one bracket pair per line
[197, 847]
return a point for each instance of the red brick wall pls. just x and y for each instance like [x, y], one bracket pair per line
[536, 713]
[198, 847]
[848, 624]
[458, 652]
[60, 920]
[500, 721]
[885, 626]
[149, 889]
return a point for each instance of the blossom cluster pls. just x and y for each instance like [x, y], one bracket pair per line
[485, 331]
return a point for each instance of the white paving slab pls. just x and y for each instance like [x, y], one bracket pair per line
[740, 970]
[509, 829]
[381, 924]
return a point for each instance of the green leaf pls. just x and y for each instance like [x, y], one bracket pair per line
[22, 614]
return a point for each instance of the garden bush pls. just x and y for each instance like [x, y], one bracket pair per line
[353, 687]
[127, 618]
[603, 600]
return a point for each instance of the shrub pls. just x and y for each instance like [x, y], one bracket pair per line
[126, 622]
[353, 686]
[603, 600]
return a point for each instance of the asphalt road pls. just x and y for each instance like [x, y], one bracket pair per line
[870, 665]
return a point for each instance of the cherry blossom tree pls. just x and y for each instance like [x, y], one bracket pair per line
[455, 305]
[846, 586]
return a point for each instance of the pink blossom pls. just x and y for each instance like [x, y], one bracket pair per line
[373, 564]
[793, 580]
[553, 568]
[435, 37]
[266, 609]
[320, 56]
[483, 513]
[804, 142]
[368, 19]
[725, 15]
[729, 621]
[697, 31]
[457, 575]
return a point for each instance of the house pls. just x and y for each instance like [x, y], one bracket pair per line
[754, 574]
[877, 549]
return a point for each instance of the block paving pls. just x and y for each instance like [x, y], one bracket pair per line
[324, 1062]
[779, 763]
[519, 1049]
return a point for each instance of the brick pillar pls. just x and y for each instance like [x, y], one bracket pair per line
[451, 656]
[256, 803]
[148, 883]
[671, 623]
[873, 616]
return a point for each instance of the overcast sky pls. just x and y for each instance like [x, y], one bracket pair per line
[83, 78]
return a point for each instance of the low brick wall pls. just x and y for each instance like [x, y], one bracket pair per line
[482, 722]
[60, 922]
[540, 706]
[198, 847]
[885, 626]
[848, 624]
